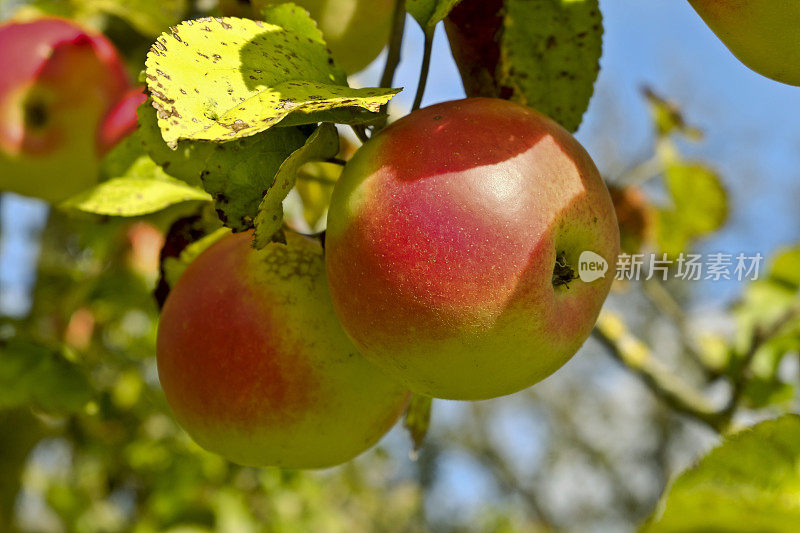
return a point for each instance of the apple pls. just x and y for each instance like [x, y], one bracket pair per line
[761, 33]
[58, 81]
[120, 121]
[356, 31]
[636, 216]
[453, 243]
[255, 365]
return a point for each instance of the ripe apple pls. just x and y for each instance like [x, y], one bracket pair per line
[355, 30]
[453, 244]
[761, 33]
[256, 367]
[120, 121]
[57, 82]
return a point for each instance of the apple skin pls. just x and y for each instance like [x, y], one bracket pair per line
[256, 367]
[57, 82]
[636, 216]
[356, 31]
[443, 233]
[761, 33]
[120, 121]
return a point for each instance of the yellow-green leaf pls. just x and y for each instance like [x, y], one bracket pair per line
[749, 483]
[135, 196]
[699, 206]
[220, 79]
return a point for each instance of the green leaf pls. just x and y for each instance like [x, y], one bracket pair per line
[699, 206]
[786, 268]
[34, 375]
[135, 185]
[765, 301]
[236, 174]
[429, 13]
[135, 196]
[541, 53]
[749, 483]
[323, 144]
[760, 393]
[418, 419]
[149, 17]
[667, 116]
[220, 79]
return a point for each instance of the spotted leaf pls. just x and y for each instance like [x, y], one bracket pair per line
[221, 79]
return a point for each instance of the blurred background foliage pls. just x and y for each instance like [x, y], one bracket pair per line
[87, 443]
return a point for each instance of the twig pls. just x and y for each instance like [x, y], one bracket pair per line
[503, 472]
[426, 66]
[664, 302]
[634, 354]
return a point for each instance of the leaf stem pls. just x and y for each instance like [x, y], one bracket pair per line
[395, 44]
[426, 66]
[361, 133]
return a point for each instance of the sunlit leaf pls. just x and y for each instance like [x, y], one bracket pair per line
[699, 206]
[749, 483]
[221, 79]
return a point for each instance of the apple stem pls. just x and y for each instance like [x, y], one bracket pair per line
[563, 273]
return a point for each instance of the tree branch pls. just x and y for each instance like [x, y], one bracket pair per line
[634, 354]
[666, 304]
